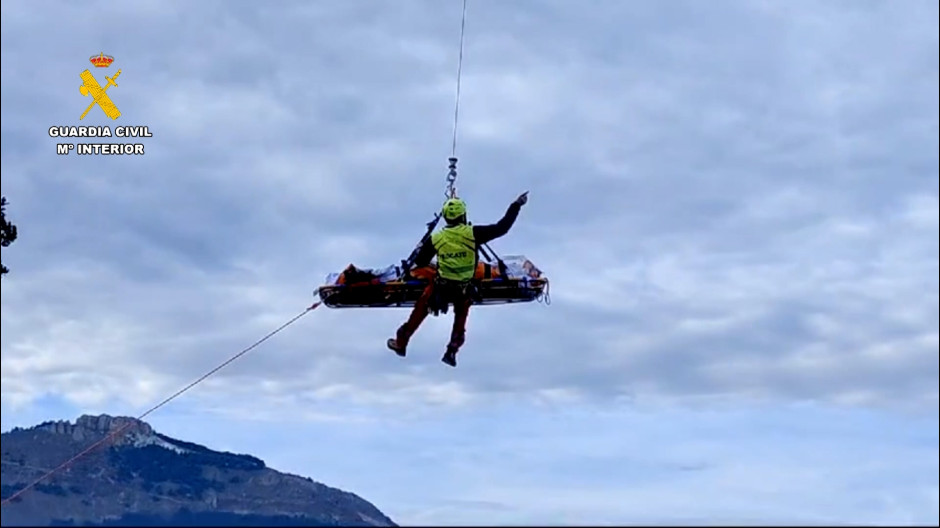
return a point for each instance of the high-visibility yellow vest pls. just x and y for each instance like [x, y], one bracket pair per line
[456, 252]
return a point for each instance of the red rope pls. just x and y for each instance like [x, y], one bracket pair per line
[175, 395]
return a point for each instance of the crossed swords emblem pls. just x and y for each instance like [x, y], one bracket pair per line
[98, 94]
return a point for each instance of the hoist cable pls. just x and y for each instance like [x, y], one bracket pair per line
[451, 191]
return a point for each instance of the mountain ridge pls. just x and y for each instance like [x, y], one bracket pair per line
[141, 477]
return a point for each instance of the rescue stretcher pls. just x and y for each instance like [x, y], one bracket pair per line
[515, 280]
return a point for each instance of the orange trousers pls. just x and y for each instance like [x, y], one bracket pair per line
[461, 301]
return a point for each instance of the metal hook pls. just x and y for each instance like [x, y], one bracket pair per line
[451, 191]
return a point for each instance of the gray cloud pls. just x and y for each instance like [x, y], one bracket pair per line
[731, 201]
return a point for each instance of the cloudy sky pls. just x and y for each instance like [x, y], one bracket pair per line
[736, 202]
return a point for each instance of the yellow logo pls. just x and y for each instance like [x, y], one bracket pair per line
[98, 94]
[99, 140]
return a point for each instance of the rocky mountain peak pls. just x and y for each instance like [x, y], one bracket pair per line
[89, 427]
[145, 478]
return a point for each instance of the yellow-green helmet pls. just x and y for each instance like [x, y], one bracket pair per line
[454, 209]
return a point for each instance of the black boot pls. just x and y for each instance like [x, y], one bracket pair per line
[393, 345]
[450, 357]
[399, 343]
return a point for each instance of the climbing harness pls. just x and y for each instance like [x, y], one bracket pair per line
[489, 288]
[495, 282]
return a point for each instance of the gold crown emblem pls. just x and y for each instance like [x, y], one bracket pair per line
[101, 60]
